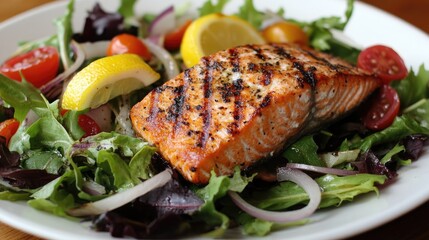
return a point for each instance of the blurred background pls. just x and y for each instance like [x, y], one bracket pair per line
[412, 11]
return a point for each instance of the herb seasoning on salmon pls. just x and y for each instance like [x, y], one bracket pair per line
[243, 104]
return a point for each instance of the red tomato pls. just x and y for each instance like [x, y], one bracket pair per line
[8, 128]
[127, 43]
[88, 125]
[38, 66]
[384, 62]
[173, 39]
[384, 107]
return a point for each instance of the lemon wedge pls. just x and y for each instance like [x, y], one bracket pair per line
[216, 32]
[107, 78]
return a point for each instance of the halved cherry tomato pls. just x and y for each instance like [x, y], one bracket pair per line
[384, 107]
[8, 128]
[38, 66]
[127, 43]
[282, 32]
[173, 39]
[384, 62]
[88, 125]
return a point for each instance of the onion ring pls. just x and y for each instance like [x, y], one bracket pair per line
[334, 171]
[284, 174]
[121, 198]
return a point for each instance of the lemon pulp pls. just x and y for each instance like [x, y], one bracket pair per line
[216, 32]
[107, 78]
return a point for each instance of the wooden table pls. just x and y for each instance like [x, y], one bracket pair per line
[414, 225]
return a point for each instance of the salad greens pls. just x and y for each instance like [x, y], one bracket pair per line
[50, 164]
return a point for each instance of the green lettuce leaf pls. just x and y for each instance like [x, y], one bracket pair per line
[140, 164]
[64, 34]
[208, 7]
[216, 189]
[303, 151]
[14, 196]
[413, 88]
[419, 112]
[71, 123]
[335, 190]
[321, 38]
[249, 13]
[400, 128]
[22, 96]
[114, 142]
[117, 170]
[51, 161]
[126, 9]
[51, 207]
[45, 133]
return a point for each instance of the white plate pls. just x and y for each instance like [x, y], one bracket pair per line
[368, 26]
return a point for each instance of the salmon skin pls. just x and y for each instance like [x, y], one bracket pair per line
[243, 104]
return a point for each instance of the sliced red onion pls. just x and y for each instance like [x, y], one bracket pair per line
[325, 170]
[30, 118]
[165, 22]
[285, 174]
[165, 57]
[51, 89]
[157, 40]
[102, 116]
[121, 198]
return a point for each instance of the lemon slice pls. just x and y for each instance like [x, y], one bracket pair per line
[107, 78]
[216, 32]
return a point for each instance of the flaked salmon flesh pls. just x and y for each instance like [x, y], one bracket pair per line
[243, 104]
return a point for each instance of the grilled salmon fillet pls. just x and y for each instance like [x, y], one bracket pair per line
[243, 104]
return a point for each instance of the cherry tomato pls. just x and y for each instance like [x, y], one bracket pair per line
[173, 39]
[384, 62]
[88, 125]
[8, 128]
[282, 32]
[38, 66]
[384, 107]
[127, 43]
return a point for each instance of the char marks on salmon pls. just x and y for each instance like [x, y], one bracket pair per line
[243, 104]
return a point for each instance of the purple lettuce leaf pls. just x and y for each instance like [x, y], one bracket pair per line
[368, 162]
[162, 213]
[18, 177]
[414, 146]
[102, 25]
